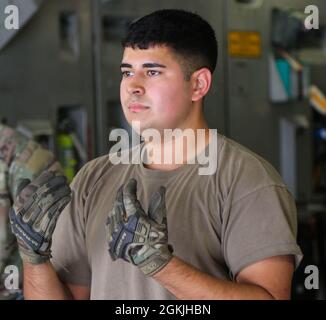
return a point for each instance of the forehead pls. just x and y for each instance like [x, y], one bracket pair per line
[158, 54]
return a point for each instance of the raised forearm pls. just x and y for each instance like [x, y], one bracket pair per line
[33, 218]
[42, 283]
[186, 282]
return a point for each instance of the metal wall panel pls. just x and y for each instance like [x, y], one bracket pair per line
[38, 74]
[252, 119]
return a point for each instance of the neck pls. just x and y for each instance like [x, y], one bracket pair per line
[178, 146]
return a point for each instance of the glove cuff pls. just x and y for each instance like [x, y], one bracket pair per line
[32, 257]
[156, 262]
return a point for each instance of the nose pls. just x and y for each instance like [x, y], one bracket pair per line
[136, 88]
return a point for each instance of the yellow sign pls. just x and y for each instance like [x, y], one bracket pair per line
[244, 44]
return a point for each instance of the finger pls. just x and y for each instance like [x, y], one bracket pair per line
[41, 225]
[52, 184]
[54, 196]
[25, 195]
[24, 200]
[119, 208]
[43, 178]
[55, 200]
[110, 226]
[30, 195]
[34, 209]
[116, 215]
[131, 204]
[157, 208]
[32, 213]
[53, 215]
[23, 183]
[55, 167]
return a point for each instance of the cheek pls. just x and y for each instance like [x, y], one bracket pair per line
[123, 97]
[122, 92]
[172, 101]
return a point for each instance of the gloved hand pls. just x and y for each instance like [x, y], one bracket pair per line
[35, 212]
[135, 236]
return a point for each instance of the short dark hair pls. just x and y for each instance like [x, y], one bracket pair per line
[187, 34]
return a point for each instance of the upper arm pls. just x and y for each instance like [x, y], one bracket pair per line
[79, 292]
[273, 274]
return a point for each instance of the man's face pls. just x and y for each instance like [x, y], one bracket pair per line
[153, 90]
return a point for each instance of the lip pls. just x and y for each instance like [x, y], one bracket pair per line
[137, 107]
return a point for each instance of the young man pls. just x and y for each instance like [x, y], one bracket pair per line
[20, 158]
[171, 232]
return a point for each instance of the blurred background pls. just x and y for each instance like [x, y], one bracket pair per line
[60, 78]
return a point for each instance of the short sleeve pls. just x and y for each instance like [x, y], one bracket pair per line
[69, 254]
[260, 225]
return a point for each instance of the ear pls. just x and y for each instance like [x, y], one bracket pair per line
[201, 83]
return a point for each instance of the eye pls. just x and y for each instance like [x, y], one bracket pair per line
[153, 73]
[126, 73]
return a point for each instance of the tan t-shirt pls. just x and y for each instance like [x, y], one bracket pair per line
[219, 223]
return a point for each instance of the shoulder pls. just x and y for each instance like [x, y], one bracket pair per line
[242, 171]
[11, 143]
[93, 171]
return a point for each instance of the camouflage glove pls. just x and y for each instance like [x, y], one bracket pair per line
[35, 212]
[135, 236]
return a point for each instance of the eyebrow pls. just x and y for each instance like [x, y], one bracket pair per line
[145, 65]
